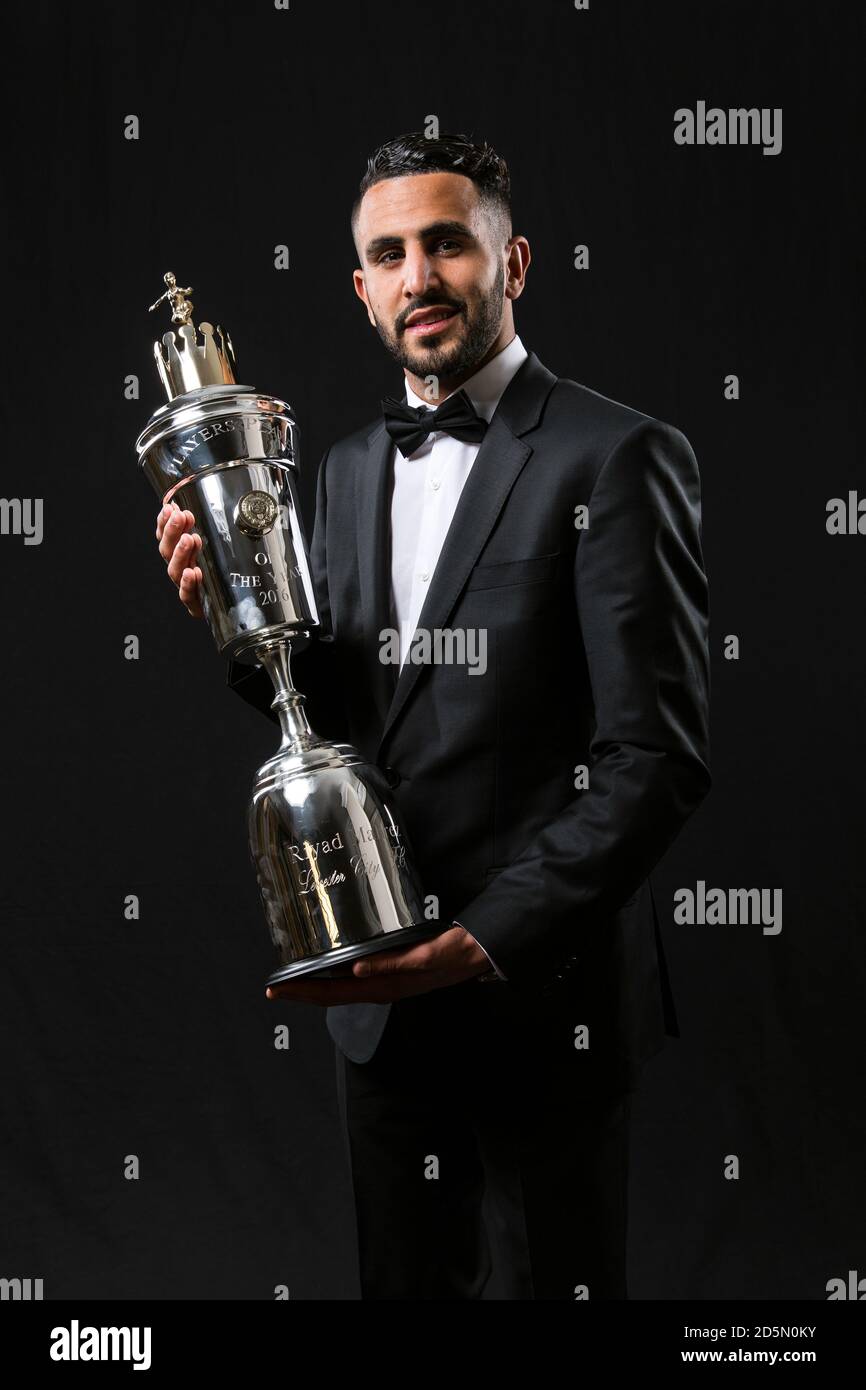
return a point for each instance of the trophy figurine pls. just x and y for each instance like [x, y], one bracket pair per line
[332, 859]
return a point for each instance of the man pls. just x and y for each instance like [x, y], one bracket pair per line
[485, 1076]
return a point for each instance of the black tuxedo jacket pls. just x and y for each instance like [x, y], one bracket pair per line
[596, 656]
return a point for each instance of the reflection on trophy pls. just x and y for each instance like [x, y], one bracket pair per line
[331, 856]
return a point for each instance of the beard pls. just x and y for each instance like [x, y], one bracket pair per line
[457, 359]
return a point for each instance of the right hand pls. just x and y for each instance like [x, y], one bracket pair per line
[180, 549]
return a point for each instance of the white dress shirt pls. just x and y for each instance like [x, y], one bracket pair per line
[427, 487]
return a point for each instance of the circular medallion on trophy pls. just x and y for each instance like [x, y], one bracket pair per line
[256, 513]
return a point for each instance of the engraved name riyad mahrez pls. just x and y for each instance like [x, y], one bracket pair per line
[332, 858]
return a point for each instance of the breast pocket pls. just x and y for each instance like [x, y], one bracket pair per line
[535, 569]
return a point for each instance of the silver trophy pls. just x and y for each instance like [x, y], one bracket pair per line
[332, 858]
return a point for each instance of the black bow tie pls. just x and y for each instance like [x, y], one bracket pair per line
[410, 425]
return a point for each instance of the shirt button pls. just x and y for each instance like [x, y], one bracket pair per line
[434, 483]
[425, 575]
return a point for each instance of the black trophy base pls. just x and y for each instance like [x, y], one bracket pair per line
[337, 964]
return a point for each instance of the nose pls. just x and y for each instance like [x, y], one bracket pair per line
[419, 273]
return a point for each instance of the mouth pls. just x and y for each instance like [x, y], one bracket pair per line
[429, 321]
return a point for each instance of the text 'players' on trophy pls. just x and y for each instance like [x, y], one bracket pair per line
[332, 858]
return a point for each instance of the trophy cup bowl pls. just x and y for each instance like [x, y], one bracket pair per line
[332, 858]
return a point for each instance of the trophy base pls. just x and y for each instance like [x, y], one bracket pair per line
[322, 966]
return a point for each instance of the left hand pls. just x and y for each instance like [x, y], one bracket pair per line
[447, 959]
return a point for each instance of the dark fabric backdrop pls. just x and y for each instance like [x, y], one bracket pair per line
[153, 1037]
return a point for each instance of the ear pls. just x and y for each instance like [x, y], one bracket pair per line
[516, 266]
[361, 292]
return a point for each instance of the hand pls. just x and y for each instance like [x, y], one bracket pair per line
[179, 548]
[447, 959]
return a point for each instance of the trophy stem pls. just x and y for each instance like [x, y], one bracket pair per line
[275, 655]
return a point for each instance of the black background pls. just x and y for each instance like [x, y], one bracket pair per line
[154, 1037]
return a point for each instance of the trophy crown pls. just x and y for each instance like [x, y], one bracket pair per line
[184, 363]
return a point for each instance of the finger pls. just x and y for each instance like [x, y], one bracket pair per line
[190, 595]
[166, 510]
[186, 553]
[168, 528]
[175, 525]
[394, 962]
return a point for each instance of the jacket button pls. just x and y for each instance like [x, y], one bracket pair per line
[392, 776]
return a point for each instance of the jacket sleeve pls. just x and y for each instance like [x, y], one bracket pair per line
[643, 616]
[315, 661]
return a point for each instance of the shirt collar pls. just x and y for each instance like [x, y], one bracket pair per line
[485, 388]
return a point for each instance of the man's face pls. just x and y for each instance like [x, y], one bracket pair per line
[433, 272]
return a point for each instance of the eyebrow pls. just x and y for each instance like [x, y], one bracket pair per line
[379, 243]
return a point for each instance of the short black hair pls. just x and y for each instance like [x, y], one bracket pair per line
[415, 153]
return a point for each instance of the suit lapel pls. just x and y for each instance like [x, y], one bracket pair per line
[373, 529]
[501, 456]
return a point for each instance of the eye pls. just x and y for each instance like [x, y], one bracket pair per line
[445, 243]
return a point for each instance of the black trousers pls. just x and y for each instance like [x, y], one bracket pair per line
[478, 1131]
